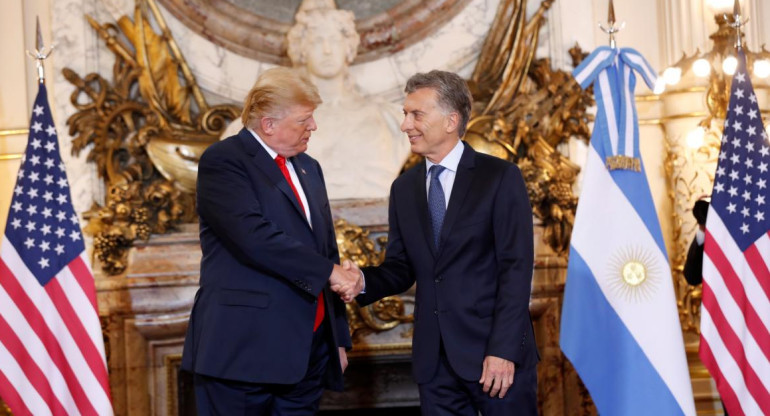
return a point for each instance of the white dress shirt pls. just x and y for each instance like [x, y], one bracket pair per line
[292, 173]
[447, 176]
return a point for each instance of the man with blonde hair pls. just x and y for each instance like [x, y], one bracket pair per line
[266, 333]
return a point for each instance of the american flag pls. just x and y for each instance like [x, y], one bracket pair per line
[51, 348]
[735, 316]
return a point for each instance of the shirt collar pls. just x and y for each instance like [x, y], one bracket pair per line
[450, 161]
[270, 151]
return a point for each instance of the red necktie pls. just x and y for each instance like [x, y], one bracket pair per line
[281, 161]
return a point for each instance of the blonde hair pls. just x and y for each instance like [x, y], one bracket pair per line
[275, 91]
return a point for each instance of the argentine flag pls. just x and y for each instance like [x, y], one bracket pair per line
[620, 324]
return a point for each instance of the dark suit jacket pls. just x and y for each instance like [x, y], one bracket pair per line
[262, 270]
[693, 264]
[474, 292]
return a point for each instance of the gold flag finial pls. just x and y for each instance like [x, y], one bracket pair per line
[41, 53]
[611, 14]
[612, 26]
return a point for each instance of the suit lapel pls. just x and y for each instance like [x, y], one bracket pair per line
[311, 187]
[462, 184]
[267, 165]
[422, 206]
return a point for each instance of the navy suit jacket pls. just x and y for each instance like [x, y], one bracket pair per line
[262, 269]
[474, 292]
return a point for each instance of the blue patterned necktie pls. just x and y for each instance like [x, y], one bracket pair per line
[436, 202]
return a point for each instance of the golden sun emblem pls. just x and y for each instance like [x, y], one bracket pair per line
[633, 274]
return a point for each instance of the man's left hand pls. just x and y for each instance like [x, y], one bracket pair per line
[497, 375]
[343, 358]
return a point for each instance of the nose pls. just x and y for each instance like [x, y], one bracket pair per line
[311, 126]
[326, 47]
[406, 124]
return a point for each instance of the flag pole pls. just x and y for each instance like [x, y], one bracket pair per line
[41, 53]
[612, 27]
[737, 24]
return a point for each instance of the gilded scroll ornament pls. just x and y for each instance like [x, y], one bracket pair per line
[145, 131]
[355, 245]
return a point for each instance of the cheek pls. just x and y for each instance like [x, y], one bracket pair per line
[300, 133]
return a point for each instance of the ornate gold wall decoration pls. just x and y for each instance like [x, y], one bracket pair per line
[146, 131]
[690, 173]
[355, 245]
[524, 110]
[383, 315]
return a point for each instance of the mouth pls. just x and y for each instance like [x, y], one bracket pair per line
[414, 138]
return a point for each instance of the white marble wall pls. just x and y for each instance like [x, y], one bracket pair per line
[661, 30]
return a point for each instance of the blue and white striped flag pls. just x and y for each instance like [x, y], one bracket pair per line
[620, 326]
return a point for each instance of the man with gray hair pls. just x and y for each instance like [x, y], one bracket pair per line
[461, 228]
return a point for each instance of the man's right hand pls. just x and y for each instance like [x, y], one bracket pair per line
[346, 281]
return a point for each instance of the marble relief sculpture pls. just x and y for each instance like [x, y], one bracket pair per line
[358, 143]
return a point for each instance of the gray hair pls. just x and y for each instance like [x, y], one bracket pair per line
[452, 90]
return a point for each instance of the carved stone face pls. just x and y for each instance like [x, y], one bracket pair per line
[326, 50]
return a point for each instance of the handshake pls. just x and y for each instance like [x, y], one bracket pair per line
[347, 280]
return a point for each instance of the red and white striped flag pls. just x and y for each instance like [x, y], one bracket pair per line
[51, 348]
[735, 316]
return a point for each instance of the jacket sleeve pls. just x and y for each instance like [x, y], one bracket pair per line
[394, 275]
[227, 204]
[514, 250]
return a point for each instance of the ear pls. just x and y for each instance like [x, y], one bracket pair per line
[452, 122]
[267, 124]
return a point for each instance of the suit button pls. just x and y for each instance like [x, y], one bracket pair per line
[437, 280]
[435, 311]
